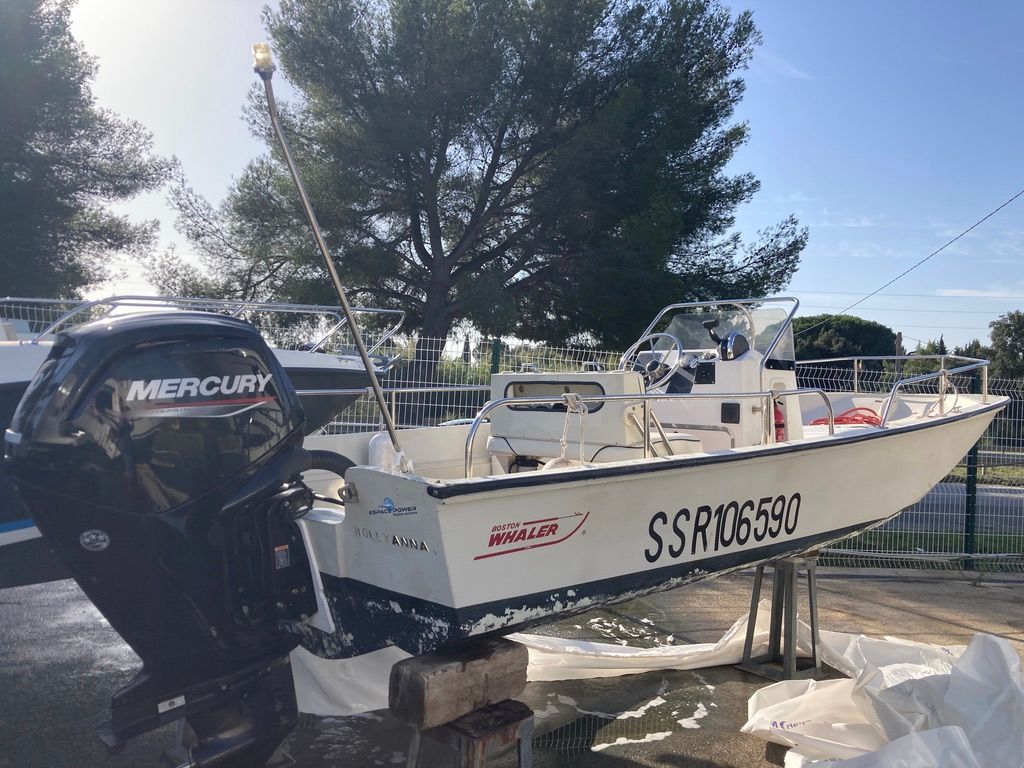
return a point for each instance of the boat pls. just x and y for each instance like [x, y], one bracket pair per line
[216, 536]
[310, 343]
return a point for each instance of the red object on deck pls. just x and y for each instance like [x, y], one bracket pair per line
[780, 425]
[851, 416]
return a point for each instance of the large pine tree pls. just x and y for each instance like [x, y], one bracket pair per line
[63, 159]
[544, 168]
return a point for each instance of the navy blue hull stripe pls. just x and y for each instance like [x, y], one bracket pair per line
[534, 479]
[369, 618]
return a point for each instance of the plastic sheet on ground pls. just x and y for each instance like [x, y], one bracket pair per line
[555, 658]
[945, 747]
[360, 684]
[907, 705]
[904, 704]
[343, 686]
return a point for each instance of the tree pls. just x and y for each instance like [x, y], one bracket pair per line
[925, 365]
[822, 336]
[62, 159]
[540, 167]
[1007, 332]
[974, 348]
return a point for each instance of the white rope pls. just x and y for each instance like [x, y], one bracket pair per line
[573, 404]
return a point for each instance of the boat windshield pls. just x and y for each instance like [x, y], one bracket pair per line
[759, 323]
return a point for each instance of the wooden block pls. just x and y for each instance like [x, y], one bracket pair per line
[501, 722]
[427, 691]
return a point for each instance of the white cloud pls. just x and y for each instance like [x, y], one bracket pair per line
[769, 64]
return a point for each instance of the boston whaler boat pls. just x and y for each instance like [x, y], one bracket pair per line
[307, 339]
[215, 537]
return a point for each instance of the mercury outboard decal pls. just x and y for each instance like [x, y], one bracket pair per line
[175, 389]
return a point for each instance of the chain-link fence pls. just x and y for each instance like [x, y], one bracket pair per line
[452, 377]
[974, 518]
[284, 326]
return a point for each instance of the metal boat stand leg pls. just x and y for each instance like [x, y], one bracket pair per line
[781, 661]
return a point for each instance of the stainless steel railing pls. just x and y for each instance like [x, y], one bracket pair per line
[645, 400]
[943, 374]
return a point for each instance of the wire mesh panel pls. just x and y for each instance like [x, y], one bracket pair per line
[541, 357]
[958, 524]
[453, 377]
[29, 317]
[963, 522]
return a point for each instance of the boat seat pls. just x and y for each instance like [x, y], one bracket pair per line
[610, 430]
[8, 332]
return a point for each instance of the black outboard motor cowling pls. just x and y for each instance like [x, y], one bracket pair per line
[160, 455]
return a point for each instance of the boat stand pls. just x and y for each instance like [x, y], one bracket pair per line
[463, 698]
[781, 661]
[481, 732]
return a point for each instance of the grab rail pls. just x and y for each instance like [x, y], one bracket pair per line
[974, 364]
[645, 398]
[944, 376]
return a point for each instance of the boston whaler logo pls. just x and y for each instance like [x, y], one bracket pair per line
[243, 391]
[519, 536]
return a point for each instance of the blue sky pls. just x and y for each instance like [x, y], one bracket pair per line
[886, 127]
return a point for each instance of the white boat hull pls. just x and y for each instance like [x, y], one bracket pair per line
[420, 564]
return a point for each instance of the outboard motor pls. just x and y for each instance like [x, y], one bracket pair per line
[160, 454]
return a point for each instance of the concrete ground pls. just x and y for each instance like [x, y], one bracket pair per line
[60, 663]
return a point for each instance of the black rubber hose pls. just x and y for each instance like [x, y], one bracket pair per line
[331, 462]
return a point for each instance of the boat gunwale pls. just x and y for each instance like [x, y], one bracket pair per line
[469, 486]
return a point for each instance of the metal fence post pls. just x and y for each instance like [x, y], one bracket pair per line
[495, 355]
[971, 496]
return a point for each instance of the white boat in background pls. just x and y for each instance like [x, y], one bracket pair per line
[294, 331]
[309, 341]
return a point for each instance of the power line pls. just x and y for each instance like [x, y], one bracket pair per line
[934, 253]
[902, 309]
[944, 327]
[908, 295]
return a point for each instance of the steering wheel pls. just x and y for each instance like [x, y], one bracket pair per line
[656, 374]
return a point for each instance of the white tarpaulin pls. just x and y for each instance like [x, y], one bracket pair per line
[343, 686]
[555, 658]
[352, 686]
[905, 704]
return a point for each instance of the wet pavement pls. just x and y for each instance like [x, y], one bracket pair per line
[60, 663]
